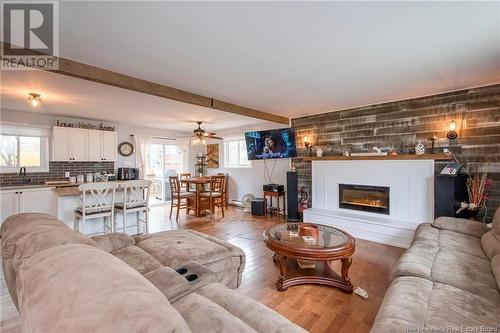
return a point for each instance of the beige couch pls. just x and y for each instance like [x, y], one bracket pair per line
[62, 281]
[447, 281]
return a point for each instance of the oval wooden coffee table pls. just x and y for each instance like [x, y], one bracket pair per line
[317, 251]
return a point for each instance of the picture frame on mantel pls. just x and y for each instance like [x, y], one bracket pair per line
[213, 155]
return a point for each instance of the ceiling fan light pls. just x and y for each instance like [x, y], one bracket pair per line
[34, 99]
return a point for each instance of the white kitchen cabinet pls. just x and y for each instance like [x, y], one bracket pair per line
[29, 200]
[9, 202]
[77, 144]
[108, 146]
[94, 151]
[102, 145]
[60, 144]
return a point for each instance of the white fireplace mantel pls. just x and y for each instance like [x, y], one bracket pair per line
[411, 198]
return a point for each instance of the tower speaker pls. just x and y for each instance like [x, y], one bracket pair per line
[292, 196]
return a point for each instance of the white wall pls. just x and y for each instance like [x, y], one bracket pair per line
[123, 130]
[245, 180]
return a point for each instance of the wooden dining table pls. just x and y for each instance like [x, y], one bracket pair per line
[198, 184]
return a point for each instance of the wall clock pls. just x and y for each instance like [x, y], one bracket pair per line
[125, 148]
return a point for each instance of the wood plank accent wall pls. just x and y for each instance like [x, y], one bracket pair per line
[400, 124]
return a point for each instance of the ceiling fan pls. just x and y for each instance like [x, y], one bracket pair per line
[200, 135]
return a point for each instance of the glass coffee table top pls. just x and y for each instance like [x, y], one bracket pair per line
[288, 234]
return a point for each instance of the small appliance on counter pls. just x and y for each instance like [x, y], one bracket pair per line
[128, 173]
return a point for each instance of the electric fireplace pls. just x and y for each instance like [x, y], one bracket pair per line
[373, 199]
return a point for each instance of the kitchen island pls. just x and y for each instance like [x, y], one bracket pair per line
[60, 201]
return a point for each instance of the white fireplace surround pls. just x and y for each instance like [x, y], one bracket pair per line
[411, 198]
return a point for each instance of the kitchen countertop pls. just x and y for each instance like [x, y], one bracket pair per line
[59, 189]
[73, 190]
[24, 186]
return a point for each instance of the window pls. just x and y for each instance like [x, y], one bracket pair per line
[235, 154]
[23, 147]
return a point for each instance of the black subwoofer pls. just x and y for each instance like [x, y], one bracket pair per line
[258, 207]
[292, 196]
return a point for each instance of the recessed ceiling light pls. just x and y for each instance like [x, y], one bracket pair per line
[34, 99]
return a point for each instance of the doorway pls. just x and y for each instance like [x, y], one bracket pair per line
[165, 159]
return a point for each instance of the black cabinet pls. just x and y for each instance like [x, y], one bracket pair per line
[449, 192]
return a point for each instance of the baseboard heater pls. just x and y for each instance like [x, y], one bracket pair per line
[234, 202]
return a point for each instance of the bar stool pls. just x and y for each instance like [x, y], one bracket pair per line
[96, 201]
[135, 200]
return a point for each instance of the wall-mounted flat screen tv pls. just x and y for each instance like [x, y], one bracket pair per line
[277, 143]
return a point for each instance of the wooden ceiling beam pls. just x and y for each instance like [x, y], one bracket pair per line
[100, 75]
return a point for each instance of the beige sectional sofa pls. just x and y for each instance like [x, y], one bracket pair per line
[447, 281]
[176, 281]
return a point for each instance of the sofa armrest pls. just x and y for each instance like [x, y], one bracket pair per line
[175, 285]
[463, 226]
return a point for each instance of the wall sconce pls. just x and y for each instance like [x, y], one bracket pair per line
[308, 145]
[34, 99]
[452, 126]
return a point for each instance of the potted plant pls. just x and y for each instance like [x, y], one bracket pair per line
[477, 188]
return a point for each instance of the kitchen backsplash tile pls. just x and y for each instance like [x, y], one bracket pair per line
[57, 170]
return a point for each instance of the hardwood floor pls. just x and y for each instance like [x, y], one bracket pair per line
[316, 308]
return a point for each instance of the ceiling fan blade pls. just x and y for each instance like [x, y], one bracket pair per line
[214, 137]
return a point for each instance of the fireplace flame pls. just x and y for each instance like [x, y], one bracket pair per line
[366, 202]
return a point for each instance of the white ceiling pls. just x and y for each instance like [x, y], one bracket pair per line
[288, 58]
[67, 96]
[291, 58]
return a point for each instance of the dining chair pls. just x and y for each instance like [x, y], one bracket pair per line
[97, 200]
[215, 194]
[182, 176]
[135, 200]
[226, 182]
[180, 199]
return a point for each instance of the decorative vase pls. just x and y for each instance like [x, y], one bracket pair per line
[473, 214]
[319, 152]
[419, 148]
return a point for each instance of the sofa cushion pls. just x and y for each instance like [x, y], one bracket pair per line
[215, 308]
[415, 304]
[465, 272]
[495, 268]
[450, 306]
[26, 234]
[467, 227]
[114, 241]
[204, 316]
[137, 258]
[175, 247]
[253, 313]
[490, 244]
[80, 289]
[495, 227]
[455, 241]
[404, 307]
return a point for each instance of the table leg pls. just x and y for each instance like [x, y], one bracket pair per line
[197, 199]
[281, 260]
[346, 263]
